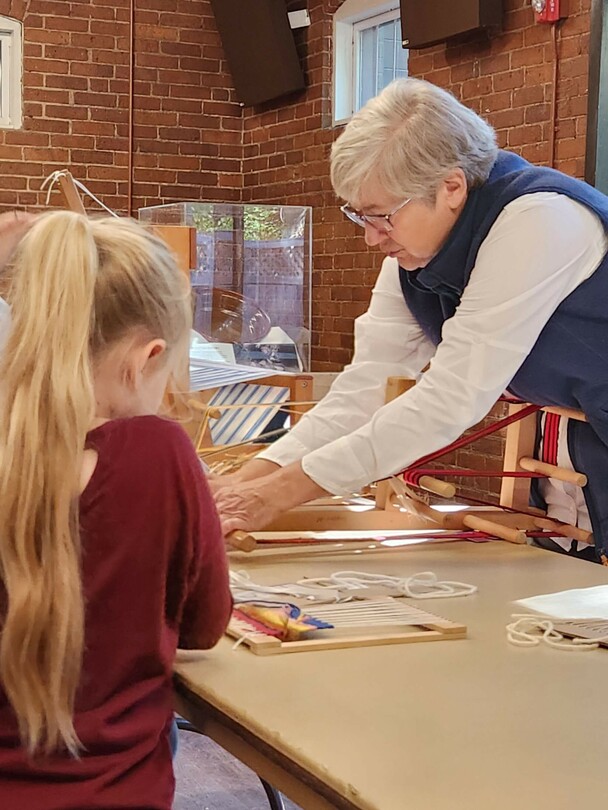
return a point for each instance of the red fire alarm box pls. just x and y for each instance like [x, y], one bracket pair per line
[547, 11]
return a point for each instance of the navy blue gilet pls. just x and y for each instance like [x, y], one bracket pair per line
[568, 364]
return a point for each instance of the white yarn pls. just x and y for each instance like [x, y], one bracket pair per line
[53, 179]
[423, 585]
[245, 637]
[529, 631]
[245, 590]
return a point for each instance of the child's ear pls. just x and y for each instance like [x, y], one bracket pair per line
[155, 348]
[142, 360]
[150, 353]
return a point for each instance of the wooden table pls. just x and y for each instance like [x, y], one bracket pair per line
[472, 724]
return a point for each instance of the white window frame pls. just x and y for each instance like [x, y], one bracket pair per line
[11, 56]
[352, 17]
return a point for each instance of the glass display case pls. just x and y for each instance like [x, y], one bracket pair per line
[250, 271]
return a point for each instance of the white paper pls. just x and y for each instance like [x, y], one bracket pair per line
[215, 352]
[579, 603]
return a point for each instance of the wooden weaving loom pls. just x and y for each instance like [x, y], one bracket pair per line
[398, 504]
[366, 623]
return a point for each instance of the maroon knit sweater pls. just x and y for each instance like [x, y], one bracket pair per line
[154, 576]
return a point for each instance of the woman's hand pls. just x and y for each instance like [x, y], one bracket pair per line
[251, 505]
[247, 506]
[256, 468]
[218, 482]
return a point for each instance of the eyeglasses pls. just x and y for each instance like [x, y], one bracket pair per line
[381, 222]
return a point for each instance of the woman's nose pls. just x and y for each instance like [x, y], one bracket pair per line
[373, 236]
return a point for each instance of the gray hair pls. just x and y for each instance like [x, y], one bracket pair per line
[407, 139]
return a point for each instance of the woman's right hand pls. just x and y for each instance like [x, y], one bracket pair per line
[247, 506]
[251, 505]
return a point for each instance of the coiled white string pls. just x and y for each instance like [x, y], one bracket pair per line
[423, 585]
[335, 588]
[529, 631]
[245, 590]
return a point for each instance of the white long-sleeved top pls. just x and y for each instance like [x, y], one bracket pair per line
[541, 247]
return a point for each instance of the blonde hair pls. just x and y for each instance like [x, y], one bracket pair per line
[408, 139]
[78, 287]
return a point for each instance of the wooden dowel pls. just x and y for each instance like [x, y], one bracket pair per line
[332, 549]
[564, 530]
[560, 473]
[241, 540]
[568, 413]
[436, 486]
[319, 549]
[70, 193]
[284, 406]
[495, 529]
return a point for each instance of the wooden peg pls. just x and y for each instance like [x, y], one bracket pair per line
[70, 194]
[568, 413]
[560, 473]
[442, 488]
[565, 530]
[489, 527]
[241, 540]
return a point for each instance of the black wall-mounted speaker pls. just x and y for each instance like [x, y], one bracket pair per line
[259, 47]
[427, 22]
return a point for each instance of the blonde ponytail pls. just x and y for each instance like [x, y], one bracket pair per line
[78, 287]
[45, 411]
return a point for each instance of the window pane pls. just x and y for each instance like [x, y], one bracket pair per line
[381, 59]
[386, 54]
[368, 42]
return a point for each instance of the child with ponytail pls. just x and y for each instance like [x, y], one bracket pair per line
[111, 553]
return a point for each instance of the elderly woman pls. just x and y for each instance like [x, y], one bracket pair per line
[496, 272]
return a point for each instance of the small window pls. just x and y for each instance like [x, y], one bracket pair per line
[10, 73]
[379, 56]
[368, 53]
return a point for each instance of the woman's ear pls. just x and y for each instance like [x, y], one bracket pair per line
[454, 189]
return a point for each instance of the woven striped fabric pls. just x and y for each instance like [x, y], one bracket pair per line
[244, 424]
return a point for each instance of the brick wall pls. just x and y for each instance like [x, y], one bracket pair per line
[187, 125]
